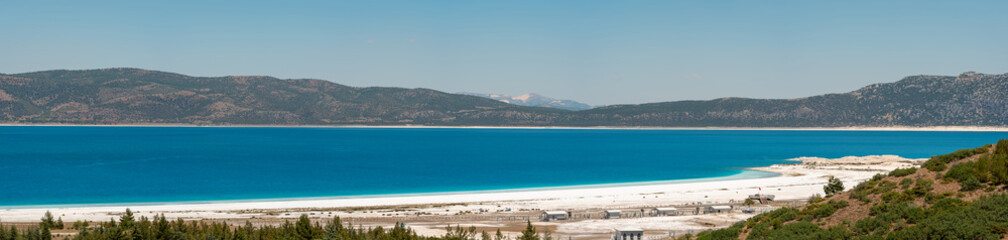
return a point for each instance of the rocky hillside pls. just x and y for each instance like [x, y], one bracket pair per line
[136, 96]
[970, 99]
[961, 195]
[132, 96]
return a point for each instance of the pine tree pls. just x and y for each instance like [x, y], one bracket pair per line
[334, 229]
[59, 223]
[304, 228]
[48, 221]
[161, 225]
[499, 236]
[32, 233]
[127, 221]
[44, 233]
[833, 186]
[529, 233]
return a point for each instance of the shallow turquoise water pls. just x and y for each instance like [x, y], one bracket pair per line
[86, 165]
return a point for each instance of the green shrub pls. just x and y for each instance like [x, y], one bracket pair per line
[868, 225]
[935, 166]
[818, 211]
[892, 197]
[991, 169]
[795, 230]
[921, 188]
[722, 234]
[900, 172]
[912, 232]
[961, 171]
[905, 183]
[932, 198]
[971, 183]
[861, 195]
[938, 163]
[884, 186]
[947, 204]
[1001, 147]
[838, 232]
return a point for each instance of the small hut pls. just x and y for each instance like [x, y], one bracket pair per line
[628, 233]
[612, 214]
[718, 209]
[664, 211]
[554, 215]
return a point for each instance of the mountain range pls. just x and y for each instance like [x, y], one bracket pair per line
[535, 100]
[138, 96]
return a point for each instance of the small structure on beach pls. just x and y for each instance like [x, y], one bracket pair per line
[628, 233]
[762, 198]
[555, 215]
[718, 209]
[664, 211]
[612, 214]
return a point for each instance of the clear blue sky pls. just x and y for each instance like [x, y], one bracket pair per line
[598, 52]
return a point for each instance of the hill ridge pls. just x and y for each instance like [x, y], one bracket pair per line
[156, 97]
[960, 195]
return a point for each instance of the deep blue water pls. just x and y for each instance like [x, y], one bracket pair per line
[85, 165]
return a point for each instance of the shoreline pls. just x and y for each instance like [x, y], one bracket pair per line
[746, 173]
[852, 128]
[791, 181]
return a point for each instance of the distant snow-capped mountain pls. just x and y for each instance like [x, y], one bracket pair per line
[535, 100]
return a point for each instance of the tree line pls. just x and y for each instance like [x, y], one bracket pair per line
[129, 227]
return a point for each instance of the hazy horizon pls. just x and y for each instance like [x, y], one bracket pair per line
[599, 53]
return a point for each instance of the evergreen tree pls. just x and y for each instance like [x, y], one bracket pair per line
[44, 234]
[486, 236]
[59, 223]
[161, 227]
[333, 229]
[498, 236]
[529, 233]
[48, 221]
[13, 233]
[833, 186]
[127, 221]
[304, 228]
[33, 234]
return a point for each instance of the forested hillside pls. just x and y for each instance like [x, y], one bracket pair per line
[136, 96]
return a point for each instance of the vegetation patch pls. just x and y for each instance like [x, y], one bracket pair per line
[899, 212]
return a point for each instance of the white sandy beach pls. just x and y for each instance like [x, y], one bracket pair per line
[794, 181]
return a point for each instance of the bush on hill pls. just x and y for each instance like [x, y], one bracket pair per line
[898, 212]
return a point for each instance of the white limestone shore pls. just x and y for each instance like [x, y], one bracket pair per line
[793, 181]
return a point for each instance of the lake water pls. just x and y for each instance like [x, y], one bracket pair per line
[45, 165]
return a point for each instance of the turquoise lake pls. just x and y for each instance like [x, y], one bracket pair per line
[55, 165]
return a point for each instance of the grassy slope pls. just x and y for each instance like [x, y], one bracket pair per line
[924, 203]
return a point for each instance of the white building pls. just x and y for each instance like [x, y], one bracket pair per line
[718, 209]
[628, 233]
[555, 215]
[612, 214]
[665, 211]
